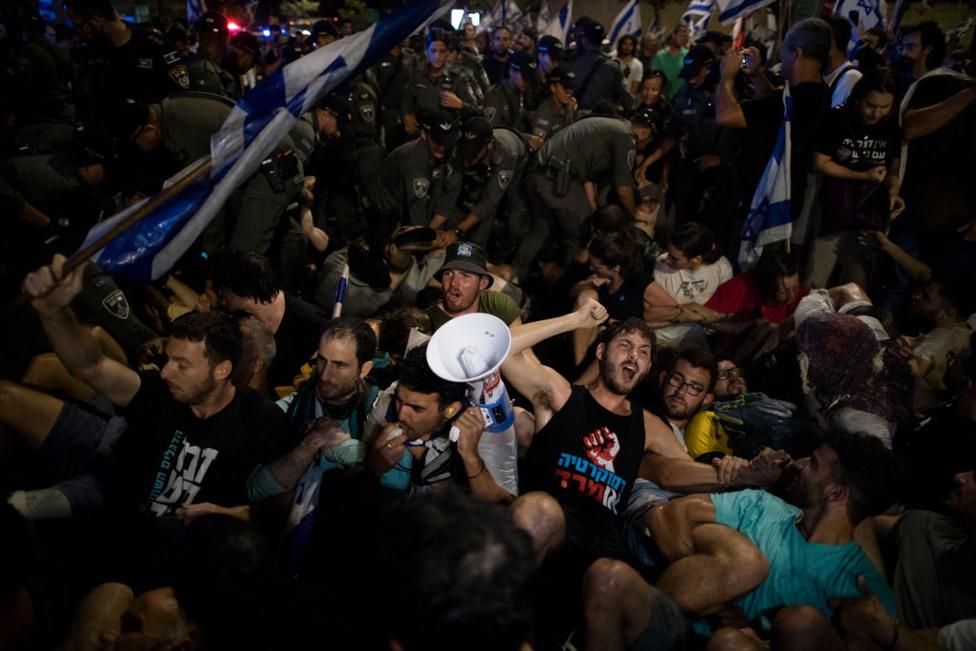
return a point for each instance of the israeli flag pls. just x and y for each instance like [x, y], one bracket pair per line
[698, 9]
[729, 10]
[250, 133]
[558, 25]
[769, 217]
[628, 21]
[868, 12]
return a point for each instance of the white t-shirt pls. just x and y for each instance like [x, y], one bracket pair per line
[686, 286]
[633, 72]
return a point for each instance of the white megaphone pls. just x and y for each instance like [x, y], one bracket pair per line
[469, 349]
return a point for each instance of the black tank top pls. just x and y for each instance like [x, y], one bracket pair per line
[567, 460]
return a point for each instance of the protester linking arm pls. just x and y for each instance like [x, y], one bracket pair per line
[919, 271]
[525, 335]
[920, 122]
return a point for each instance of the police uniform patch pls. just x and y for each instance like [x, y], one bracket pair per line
[116, 305]
[504, 178]
[181, 76]
[631, 155]
[171, 57]
[420, 187]
[144, 64]
[490, 113]
[369, 115]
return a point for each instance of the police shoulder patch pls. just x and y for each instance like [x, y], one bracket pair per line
[631, 156]
[504, 178]
[181, 76]
[116, 304]
[420, 187]
[490, 113]
[368, 113]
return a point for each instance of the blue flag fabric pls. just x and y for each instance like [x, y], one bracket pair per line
[250, 133]
[769, 218]
[628, 21]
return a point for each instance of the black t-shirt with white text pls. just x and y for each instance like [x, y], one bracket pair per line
[169, 457]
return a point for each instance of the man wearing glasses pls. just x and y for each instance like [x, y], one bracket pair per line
[687, 387]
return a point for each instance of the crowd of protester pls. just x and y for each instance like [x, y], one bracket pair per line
[709, 456]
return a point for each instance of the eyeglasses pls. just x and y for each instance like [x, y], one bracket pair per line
[729, 374]
[677, 381]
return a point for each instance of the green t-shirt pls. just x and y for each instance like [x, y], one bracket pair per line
[489, 302]
[670, 65]
[800, 572]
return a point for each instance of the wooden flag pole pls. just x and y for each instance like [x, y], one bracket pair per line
[194, 172]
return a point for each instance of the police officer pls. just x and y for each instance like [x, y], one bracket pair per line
[434, 85]
[494, 162]
[598, 79]
[182, 125]
[418, 184]
[505, 102]
[572, 166]
[557, 110]
[693, 124]
[467, 60]
[391, 76]
[207, 72]
[126, 61]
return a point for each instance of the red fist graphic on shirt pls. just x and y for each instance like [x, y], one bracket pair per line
[602, 447]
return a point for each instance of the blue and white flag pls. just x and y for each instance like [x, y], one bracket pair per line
[769, 217]
[556, 25]
[697, 9]
[869, 14]
[729, 10]
[250, 133]
[628, 21]
[194, 8]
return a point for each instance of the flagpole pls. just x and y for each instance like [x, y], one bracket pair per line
[192, 174]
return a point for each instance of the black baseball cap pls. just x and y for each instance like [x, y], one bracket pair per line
[439, 125]
[466, 256]
[550, 44]
[562, 75]
[594, 32]
[521, 61]
[475, 133]
[211, 22]
[646, 117]
[698, 57]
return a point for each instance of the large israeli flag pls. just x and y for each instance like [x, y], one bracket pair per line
[628, 21]
[557, 25]
[729, 10]
[696, 17]
[769, 217]
[250, 133]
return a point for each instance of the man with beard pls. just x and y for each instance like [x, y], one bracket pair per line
[329, 414]
[464, 282]
[579, 471]
[805, 542]
[687, 387]
[192, 436]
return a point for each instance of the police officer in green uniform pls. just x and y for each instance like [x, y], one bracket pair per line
[434, 85]
[418, 184]
[494, 162]
[505, 102]
[126, 61]
[182, 124]
[467, 61]
[390, 77]
[207, 73]
[572, 166]
[549, 53]
[557, 110]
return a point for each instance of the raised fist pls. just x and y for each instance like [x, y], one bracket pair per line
[602, 447]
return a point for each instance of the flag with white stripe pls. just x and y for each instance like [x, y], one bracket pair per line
[729, 10]
[769, 218]
[628, 21]
[194, 8]
[869, 14]
[250, 133]
[557, 25]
